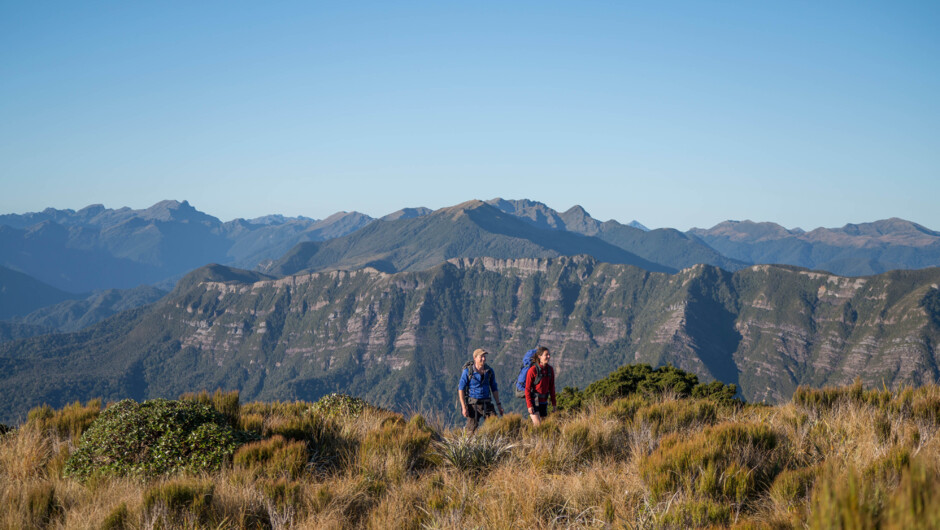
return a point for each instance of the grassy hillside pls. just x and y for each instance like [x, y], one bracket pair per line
[835, 458]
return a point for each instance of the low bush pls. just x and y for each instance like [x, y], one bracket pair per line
[152, 438]
[340, 405]
[644, 379]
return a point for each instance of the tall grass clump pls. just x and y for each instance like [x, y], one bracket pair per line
[273, 457]
[179, 503]
[225, 403]
[395, 450]
[727, 463]
[473, 454]
[69, 422]
[24, 453]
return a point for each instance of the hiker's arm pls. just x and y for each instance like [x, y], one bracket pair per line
[552, 392]
[499, 404]
[529, 379]
[463, 402]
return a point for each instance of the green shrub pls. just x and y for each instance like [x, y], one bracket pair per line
[154, 437]
[570, 398]
[643, 379]
[340, 405]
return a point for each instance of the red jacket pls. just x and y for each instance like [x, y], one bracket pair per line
[546, 386]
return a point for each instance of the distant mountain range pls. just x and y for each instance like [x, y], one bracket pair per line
[399, 339]
[471, 229]
[98, 248]
[853, 250]
[61, 270]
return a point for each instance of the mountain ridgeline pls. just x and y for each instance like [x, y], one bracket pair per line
[400, 339]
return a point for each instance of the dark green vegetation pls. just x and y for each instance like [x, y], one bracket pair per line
[644, 379]
[399, 340]
[154, 438]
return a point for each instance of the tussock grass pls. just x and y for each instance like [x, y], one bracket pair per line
[837, 457]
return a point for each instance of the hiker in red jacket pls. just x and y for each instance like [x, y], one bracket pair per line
[539, 386]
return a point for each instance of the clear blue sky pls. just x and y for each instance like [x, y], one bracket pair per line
[676, 114]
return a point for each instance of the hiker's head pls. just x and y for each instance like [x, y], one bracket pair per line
[479, 357]
[543, 355]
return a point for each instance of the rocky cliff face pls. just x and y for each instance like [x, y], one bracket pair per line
[399, 339]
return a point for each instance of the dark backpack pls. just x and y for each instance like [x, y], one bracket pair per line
[487, 376]
[528, 361]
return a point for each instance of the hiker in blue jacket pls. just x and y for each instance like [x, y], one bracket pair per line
[473, 391]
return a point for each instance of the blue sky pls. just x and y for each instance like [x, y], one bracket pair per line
[676, 114]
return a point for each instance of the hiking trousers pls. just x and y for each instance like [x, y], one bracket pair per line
[477, 412]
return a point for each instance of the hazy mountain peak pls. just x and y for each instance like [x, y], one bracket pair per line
[577, 209]
[407, 213]
[277, 219]
[747, 230]
[92, 209]
[171, 210]
[462, 207]
[577, 219]
[636, 224]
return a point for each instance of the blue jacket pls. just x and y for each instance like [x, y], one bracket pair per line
[477, 385]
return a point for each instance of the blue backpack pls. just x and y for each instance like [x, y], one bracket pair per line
[528, 360]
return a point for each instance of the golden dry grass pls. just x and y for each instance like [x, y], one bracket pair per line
[845, 457]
